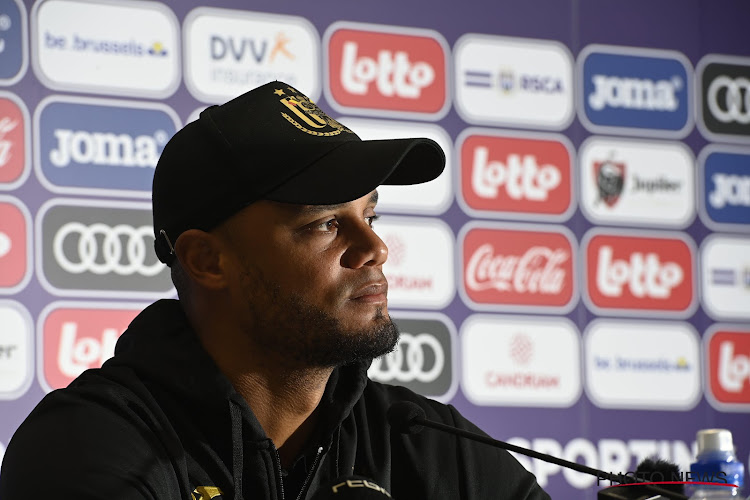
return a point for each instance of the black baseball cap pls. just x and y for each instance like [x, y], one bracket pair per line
[273, 143]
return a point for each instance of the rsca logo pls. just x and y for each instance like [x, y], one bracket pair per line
[100, 146]
[724, 89]
[229, 51]
[725, 200]
[635, 91]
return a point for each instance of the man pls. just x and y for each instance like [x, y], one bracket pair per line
[254, 384]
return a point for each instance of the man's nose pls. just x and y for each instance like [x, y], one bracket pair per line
[366, 248]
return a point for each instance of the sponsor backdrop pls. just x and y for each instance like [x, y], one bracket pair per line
[577, 281]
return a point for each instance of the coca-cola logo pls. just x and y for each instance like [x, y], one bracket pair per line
[506, 268]
[75, 339]
[728, 367]
[381, 68]
[13, 152]
[516, 175]
[639, 273]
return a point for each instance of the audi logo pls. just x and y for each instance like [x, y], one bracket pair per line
[412, 349]
[111, 249]
[736, 105]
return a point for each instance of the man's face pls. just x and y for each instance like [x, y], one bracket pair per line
[309, 280]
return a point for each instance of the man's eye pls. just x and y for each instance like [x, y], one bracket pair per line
[329, 225]
[371, 219]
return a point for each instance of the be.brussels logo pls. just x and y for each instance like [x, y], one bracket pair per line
[627, 182]
[727, 349]
[635, 91]
[384, 70]
[15, 245]
[639, 273]
[132, 48]
[228, 52]
[14, 142]
[428, 198]
[724, 93]
[515, 267]
[724, 181]
[16, 350]
[513, 81]
[98, 146]
[99, 249]
[516, 175]
[520, 361]
[424, 359]
[725, 276]
[419, 268]
[14, 54]
[73, 337]
[642, 365]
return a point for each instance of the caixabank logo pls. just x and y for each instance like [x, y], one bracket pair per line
[724, 187]
[635, 91]
[132, 47]
[515, 175]
[727, 375]
[511, 267]
[638, 273]
[386, 70]
[75, 336]
[99, 249]
[100, 146]
[724, 98]
[14, 142]
[14, 52]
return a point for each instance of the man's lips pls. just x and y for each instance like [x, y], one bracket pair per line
[373, 292]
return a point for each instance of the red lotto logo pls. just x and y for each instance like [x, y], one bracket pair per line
[636, 273]
[76, 339]
[516, 174]
[516, 267]
[12, 145]
[387, 71]
[729, 367]
[13, 245]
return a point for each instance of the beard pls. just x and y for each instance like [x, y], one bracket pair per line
[305, 335]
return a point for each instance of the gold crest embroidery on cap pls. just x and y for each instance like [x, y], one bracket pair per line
[308, 113]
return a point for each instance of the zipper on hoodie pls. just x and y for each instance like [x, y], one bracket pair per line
[278, 470]
[311, 473]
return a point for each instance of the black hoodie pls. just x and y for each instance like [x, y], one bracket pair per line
[160, 421]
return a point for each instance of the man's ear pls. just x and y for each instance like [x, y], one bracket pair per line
[202, 257]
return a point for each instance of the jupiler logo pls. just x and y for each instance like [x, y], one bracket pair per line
[644, 274]
[610, 180]
[522, 176]
[635, 93]
[407, 362]
[538, 270]
[109, 149]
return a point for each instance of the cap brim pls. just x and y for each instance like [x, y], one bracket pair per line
[356, 168]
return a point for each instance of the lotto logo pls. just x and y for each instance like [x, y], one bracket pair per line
[75, 338]
[383, 70]
[635, 273]
[728, 367]
[508, 268]
[13, 141]
[522, 176]
[15, 243]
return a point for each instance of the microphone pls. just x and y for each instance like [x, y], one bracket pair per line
[408, 417]
[351, 488]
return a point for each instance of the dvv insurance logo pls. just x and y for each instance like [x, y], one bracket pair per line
[15, 245]
[724, 182]
[128, 47]
[724, 98]
[424, 359]
[725, 276]
[14, 50]
[633, 91]
[386, 71]
[14, 142]
[76, 336]
[639, 273]
[99, 249]
[727, 349]
[513, 81]
[515, 175]
[16, 350]
[228, 52]
[100, 147]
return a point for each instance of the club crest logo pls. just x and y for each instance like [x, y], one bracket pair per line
[309, 113]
